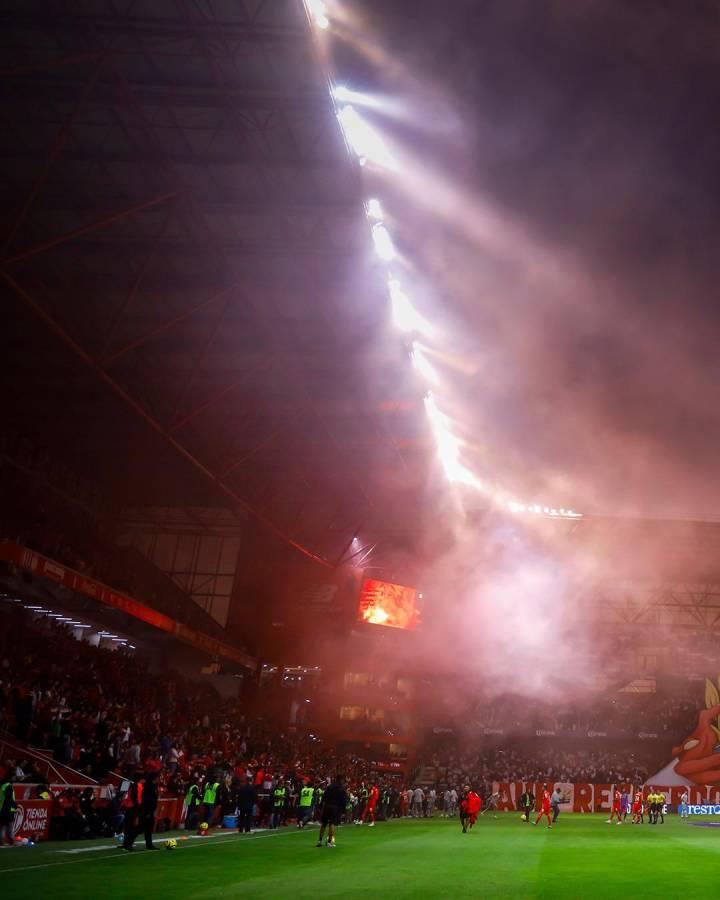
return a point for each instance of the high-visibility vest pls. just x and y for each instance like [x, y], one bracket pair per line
[306, 796]
[44, 795]
[7, 798]
[211, 792]
[279, 797]
[319, 794]
[193, 795]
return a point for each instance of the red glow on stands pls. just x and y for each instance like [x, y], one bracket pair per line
[392, 605]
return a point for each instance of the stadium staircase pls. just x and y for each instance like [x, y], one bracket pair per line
[52, 771]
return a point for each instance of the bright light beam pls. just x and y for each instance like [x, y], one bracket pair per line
[374, 209]
[318, 11]
[448, 446]
[422, 365]
[384, 246]
[405, 317]
[364, 140]
[343, 94]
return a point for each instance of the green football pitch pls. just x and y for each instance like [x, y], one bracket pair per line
[581, 857]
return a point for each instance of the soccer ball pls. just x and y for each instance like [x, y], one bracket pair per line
[523, 817]
[204, 826]
[24, 842]
[171, 844]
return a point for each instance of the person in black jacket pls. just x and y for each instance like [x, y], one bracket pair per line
[141, 818]
[87, 808]
[527, 804]
[334, 803]
[245, 798]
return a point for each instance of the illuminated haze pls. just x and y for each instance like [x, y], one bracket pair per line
[569, 224]
[562, 219]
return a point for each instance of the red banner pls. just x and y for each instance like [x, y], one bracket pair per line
[41, 565]
[32, 819]
[589, 798]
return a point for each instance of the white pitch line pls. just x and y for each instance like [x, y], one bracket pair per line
[187, 837]
[125, 855]
[86, 849]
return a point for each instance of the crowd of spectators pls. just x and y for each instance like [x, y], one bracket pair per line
[521, 761]
[105, 714]
[622, 738]
[103, 711]
[669, 713]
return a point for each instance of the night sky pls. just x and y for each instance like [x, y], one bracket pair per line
[558, 210]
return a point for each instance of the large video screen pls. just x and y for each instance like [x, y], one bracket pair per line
[383, 603]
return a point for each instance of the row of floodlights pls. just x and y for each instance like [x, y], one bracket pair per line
[67, 620]
[538, 510]
[368, 145]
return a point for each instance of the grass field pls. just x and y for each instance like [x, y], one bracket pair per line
[581, 857]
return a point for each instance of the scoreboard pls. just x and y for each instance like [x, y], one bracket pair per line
[387, 604]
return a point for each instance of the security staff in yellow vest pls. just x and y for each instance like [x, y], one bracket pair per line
[305, 805]
[210, 801]
[7, 810]
[192, 802]
[279, 795]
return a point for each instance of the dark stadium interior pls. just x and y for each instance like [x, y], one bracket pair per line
[243, 543]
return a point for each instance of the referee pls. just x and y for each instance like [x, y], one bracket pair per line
[652, 807]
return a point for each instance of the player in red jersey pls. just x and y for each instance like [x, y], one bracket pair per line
[474, 805]
[369, 811]
[637, 808]
[469, 808]
[544, 807]
[616, 808]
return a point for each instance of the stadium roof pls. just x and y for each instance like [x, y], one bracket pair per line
[192, 306]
